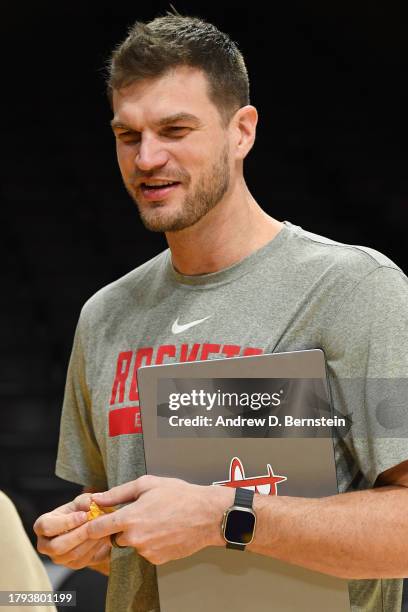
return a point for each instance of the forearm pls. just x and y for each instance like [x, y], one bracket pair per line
[352, 535]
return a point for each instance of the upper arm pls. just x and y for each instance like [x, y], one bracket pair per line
[79, 457]
[368, 365]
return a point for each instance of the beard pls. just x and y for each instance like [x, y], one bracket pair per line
[210, 189]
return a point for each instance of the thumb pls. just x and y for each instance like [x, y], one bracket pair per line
[124, 493]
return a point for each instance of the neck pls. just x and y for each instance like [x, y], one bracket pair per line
[231, 231]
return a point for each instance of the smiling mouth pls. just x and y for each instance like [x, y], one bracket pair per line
[158, 192]
[147, 187]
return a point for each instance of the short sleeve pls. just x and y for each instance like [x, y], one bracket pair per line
[79, 458]
[366, 348]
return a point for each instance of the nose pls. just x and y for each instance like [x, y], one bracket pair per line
[150, 154]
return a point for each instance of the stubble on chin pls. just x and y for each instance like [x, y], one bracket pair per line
[210, 189]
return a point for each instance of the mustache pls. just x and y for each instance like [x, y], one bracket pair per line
[137, 178]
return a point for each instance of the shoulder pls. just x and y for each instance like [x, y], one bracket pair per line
[125, 292]
[346, 265]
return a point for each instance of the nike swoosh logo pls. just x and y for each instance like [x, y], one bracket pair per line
[177, 329]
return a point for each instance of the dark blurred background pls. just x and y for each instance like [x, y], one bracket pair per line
[329, 80]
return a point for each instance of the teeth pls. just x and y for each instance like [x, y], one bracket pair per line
[157, 184]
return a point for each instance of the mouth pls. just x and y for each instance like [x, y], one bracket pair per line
[158, 192]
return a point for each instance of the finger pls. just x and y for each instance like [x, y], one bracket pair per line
[51, 524]
[121, 540]
[81, 554]
[61, 544]
[102, 553]
[43, 545]
[83, 501]
[81, 551]
[107, 524]
[127, 492]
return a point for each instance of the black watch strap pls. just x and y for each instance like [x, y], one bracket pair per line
[235, 546]
[243, 498]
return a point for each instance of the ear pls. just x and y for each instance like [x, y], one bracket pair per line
[243, 125]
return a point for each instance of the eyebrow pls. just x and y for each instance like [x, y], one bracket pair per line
[164, 121]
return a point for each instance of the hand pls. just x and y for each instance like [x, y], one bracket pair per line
[166, 518]
[63, 536]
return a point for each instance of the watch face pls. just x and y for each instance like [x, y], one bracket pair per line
[240, 526]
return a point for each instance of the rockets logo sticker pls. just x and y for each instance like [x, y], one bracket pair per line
[265, 485]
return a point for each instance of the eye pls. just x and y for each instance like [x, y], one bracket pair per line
[177, 131]
[128, 137]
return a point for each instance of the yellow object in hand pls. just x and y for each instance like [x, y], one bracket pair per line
[95, 511]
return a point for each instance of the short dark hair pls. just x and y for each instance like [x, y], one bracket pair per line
[151, 49]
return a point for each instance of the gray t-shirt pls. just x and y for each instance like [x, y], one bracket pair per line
[299, 291]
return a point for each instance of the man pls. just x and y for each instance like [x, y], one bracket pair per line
[234, 282]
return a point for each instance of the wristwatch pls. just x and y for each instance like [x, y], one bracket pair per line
[238, 524]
